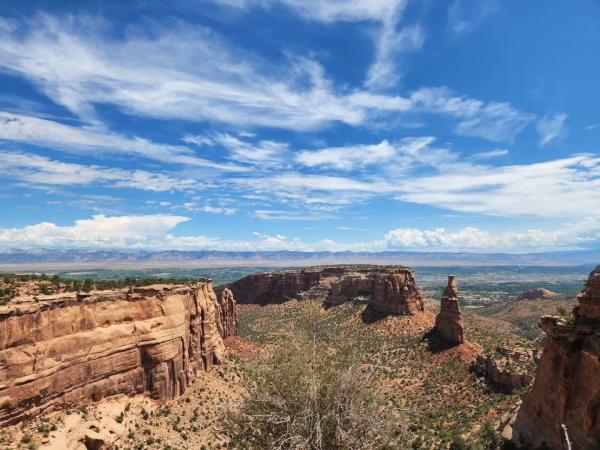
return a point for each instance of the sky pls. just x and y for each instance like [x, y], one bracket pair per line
[365, 125]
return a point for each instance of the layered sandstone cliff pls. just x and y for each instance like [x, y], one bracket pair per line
[72, 349]
[389, 289]
[274, 287]
[227, 319]
[566, 391]
[448, 323]
[392, 291]
[509, 368]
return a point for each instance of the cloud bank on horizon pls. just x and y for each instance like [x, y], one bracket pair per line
[300, 125]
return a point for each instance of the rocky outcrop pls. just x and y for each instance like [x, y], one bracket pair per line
[227, 317]
[448, 323]
[394, 291]
[566, 390]
[535, 294]
[69, 350]
[389, 289]
[508, 368]
[274, 287]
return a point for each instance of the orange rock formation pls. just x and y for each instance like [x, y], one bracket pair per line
[69, 350]
[448, 323]
[566, 390]
[394, 291]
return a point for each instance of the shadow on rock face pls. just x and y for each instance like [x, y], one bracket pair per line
[371, 315]
[436, 344]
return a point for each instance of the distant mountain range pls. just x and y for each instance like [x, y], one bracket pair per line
[33, 258]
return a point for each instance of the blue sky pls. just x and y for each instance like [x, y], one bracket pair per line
[465, 125]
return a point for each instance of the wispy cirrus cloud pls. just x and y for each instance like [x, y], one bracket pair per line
[36, 169]
[551, 127]
[466, 15]
[62, 137]
[351, 157]
[490, 154]
[564, 188]
[73, 62]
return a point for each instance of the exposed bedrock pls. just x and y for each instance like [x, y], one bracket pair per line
[566, 390]
[273, 287]
[389, 289]
[227, 320]
[507, 368]
[69, 350]
[394, 292]
[448, 323]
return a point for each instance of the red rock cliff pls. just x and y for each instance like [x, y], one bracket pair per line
[393, 291]
[70, 350]
[273, 287]
[566, 389]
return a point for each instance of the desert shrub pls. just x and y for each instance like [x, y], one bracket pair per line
[312, 392]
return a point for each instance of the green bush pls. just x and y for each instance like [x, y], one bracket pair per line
[313, 393]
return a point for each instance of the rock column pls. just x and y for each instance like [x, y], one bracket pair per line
[448, 322]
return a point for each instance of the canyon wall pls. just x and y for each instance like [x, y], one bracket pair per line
[394, 291]
[70, 350]
[389, 289]
[566, 390]
[273, 287]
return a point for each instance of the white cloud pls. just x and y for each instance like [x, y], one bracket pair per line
[474, 239]
[359, 156]
[287, 215]
[384, 72]
[47, 133]
[466, 15]
[496, 122]
[99, 231]
[389, 41]
[261, 152]
[37, 169]
[155, 232]
[490, 154]
[568, 187]
[218, 210]
[74, 63]
[551, 128]
[198, 140]
[327, 10]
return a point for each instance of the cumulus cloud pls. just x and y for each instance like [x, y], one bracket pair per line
[475, 239]
[551, 127]
[99, 231]
[157, 232]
